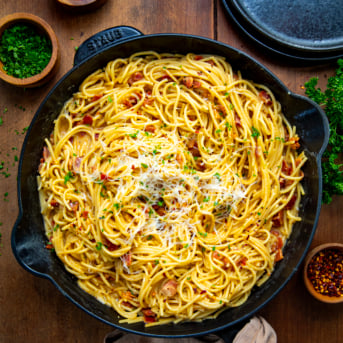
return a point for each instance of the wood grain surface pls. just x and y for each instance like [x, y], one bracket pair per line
[31, 309]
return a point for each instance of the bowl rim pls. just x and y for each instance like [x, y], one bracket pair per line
[308, 283]
[37, 79]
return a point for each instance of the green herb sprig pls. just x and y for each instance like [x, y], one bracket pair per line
[332, 102]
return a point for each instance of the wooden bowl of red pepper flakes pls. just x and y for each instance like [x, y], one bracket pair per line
[43, 33]
[323, 272]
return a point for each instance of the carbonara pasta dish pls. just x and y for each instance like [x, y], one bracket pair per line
[169, 186]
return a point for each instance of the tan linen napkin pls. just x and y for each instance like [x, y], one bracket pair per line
[258, 330]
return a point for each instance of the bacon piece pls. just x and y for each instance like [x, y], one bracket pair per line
[238, 121]
[211, 62]
[265, 97]
[148, 312]
[198, 57]
[135, 77]
[54, 203]
[179, 158]
[192, 145]
[46, 153]
[127, 258]
[74, 205]
[166, 77]
[127, 304]
[97, 97]
[196, 84]
[295, 143]
[111, 246]
[148, 101]
[242, 261]
[277, 246]
[277, 220]
[286, 168]
[188, 81]
[200, 165]
[216, 255]
[87, 120]
[127, 295]
[85, 214]
[132, 101]
[169, 288]
[160, 210]
[76, 164]
[291, 202]
[150, 128]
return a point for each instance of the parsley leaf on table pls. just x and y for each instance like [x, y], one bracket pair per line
[332, 102]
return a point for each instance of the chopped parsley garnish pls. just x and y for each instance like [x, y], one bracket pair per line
[144, 165]
[134, 135]
[68, 176]
[23, 51]
[255, 132]
[98, 245]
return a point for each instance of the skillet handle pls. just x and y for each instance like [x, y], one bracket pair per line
[104, 39]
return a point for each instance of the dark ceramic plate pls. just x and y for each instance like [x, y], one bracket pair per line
[308, 30]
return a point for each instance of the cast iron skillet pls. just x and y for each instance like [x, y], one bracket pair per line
[28, 238]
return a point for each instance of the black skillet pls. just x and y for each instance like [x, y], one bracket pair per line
[28, 238]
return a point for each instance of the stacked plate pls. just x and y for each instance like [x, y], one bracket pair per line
[298, 29]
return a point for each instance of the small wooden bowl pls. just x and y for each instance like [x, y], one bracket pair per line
[45, 29]
[308, 283]
[81, 5]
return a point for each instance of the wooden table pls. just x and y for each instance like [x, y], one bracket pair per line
[31, 309]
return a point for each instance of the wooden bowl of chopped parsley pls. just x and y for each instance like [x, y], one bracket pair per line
[29, 50]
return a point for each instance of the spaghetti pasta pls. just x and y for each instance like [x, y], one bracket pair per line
[169, 186]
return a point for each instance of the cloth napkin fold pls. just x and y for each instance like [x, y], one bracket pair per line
[258, 330]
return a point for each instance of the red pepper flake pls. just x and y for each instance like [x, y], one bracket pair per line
[325, 271]
[103, 177]
[203, 291]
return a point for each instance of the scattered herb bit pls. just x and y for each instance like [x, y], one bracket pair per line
[23, 51]
[203, 234]
[134, 135]
[332, 102]
[206, 199]
[98, 245]
[68, 177]
[6, 196]
[144, 165]
[1, 121]
[109, 99]
[116, 206]
[217, 175]
[255, 132]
